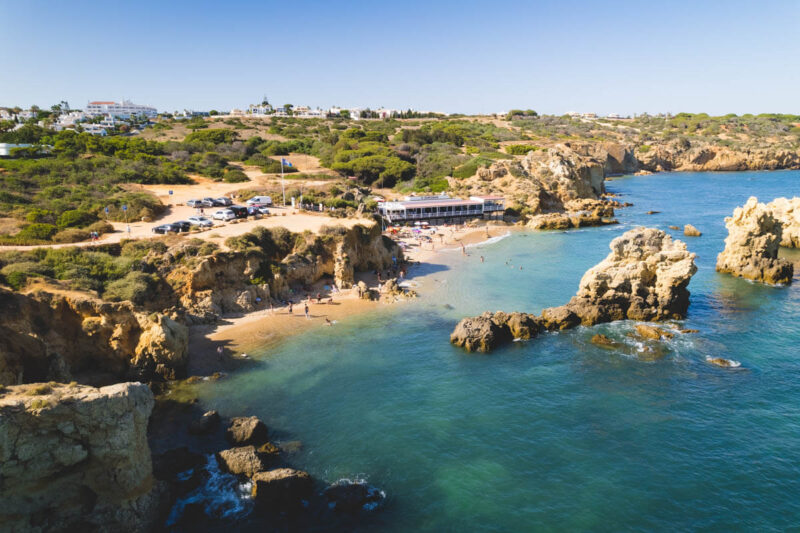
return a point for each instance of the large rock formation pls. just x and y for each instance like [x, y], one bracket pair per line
[645, 277]
[751, 247]
[685, 155]
[787, 211]
[47, 336]
[75, 458]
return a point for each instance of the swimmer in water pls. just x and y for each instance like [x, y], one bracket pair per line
[328, 322]
[481, 259]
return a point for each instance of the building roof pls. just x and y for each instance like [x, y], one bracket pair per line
[490, 197]
[434, 203]
[101, 103]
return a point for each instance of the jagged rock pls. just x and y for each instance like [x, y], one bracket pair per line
[561, 221]
[244, 460]
[674, 227]
[725, 363]
[751, 247]
[604, 342]
[205, 424]
[695, 155]
[76, 458]
[352, 496]
[46, 336]
[479, 334]
[787, 211]
[650, 332]
[247, 430]
[281, 489]
[645, 277]
[691, 231]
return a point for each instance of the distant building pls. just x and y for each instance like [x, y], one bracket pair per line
[442, 209]
[94, 129]
[124, 109]
[260, 109]
[614, 115]
[6, 148]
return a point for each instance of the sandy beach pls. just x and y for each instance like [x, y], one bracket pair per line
[241, 334]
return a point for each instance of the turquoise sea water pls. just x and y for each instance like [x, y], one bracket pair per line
[555, 434]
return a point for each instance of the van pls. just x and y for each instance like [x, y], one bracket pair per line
[260, 200]
[238, 211]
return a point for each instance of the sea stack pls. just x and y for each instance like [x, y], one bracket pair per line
[645, 277]
[751, 248]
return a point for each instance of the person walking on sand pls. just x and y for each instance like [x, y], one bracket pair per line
[463, 249]
[306, 311]
[290, 308]
[220, 351]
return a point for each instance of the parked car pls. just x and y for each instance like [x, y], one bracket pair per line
[257, 210]
[224, 214]
[166, 228]
[202, 222]
[238, 211]
[224, 201]
[205, 202]
[260, 200]
[211, 202]
[182, 225]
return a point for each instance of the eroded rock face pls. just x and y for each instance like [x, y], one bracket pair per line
[46, 336]
[645, 277]
[244, 460]
[751, 247]
[787, 212]
[76, 458]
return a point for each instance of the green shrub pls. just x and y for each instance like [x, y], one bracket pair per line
[36, 232]
[235, 176]
[136, 287]
[16, 274]
[520, 149]
[75, 218]
[71, 235]
[101, 227]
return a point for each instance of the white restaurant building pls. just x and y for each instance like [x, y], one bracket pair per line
[442, 209]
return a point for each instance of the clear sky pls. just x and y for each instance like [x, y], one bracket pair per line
[453, 56]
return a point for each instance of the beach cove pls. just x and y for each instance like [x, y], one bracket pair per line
[554, 433]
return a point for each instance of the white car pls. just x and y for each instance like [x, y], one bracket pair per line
[203, 222]
[224, 214]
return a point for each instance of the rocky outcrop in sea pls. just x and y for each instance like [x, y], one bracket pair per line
[645, 277]
[751, 247]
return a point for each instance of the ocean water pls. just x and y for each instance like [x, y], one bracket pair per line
[554, 434]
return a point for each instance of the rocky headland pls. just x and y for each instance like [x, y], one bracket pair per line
[76, 458]
[751, 247]
[645, 277]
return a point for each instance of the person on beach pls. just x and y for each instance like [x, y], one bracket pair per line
[319, 298]
[220, 351]
[328, 321]
[481, 259]
[463, 249]
[290, 308]
[306, 310]
[271, 307]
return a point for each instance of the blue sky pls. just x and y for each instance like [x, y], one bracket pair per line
[453, 56]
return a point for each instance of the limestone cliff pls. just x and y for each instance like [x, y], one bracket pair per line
[48, 336]
[751, 247]
[75, 458]
[685, 155]
[787, 212]
[645, 277]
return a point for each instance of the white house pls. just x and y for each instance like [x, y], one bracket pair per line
[95, 129]
[124, 109]
[260, 109]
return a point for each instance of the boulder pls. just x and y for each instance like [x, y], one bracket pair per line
[205, 424]
[76, 458]
[604, 342]
[751, 248]
[282, 489]
[479, 334]
[691, 231]
[787, 212]
[652, 333]
[244, 460]
[352, 496]
[247, 430]
[725, 363]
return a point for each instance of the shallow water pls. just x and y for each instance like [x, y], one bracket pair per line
[555, 433]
